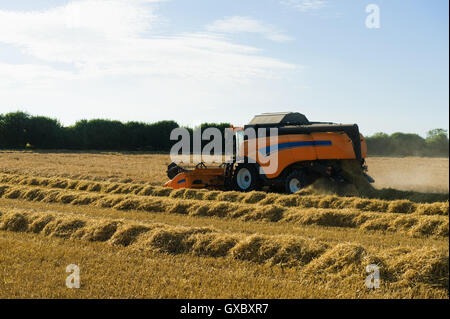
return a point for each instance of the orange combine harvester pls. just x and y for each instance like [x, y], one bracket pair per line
[303, 151]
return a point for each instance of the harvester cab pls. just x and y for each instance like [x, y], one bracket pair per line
[302, 150]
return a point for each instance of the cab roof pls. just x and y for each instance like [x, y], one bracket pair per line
[278, 119]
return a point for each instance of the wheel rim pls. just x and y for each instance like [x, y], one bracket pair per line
[294, 185]
[244, 178]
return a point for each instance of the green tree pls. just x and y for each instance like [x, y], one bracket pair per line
[45, 133]
[13, 130]
[379, 144]
[407, 144]
[437, 142]
[98, 135]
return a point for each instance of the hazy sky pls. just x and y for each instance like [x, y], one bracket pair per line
[199, 61]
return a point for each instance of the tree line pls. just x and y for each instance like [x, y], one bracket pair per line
[19, 130]
[406, 144]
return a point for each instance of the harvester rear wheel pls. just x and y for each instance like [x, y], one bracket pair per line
[246, 178]
[295, 181]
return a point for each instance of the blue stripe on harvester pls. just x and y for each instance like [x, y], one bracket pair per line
[182, 181]
[282, 146]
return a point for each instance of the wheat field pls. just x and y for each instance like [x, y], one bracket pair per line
[108, 214]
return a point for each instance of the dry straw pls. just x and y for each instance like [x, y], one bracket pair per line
[398, 216]
[313, 196]
[401, 266]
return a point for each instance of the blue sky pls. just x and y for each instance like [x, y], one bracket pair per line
[212, 61]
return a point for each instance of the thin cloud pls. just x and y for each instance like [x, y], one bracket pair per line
[238, 24]
[305, 5]
[108, 38]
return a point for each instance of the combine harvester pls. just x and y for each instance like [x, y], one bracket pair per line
[305, 152]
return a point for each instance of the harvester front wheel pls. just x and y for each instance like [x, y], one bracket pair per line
[245, 178]
[295, 181]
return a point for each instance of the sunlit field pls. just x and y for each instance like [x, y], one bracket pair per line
[108, 214]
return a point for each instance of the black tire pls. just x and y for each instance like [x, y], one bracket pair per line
[296, 177]
[246, 178]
